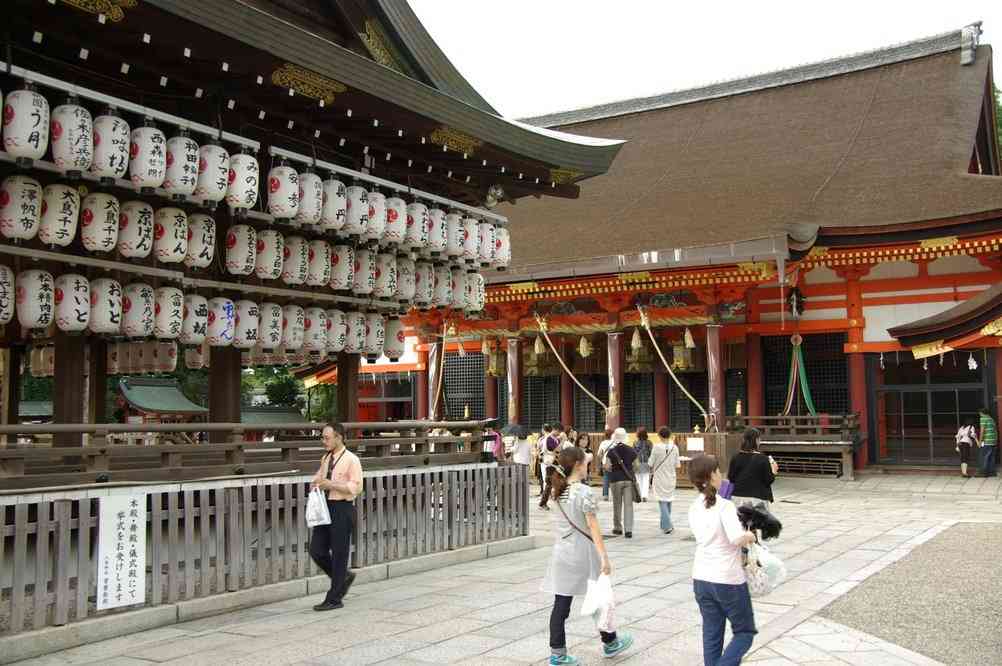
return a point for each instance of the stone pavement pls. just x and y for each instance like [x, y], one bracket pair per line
[490, 612]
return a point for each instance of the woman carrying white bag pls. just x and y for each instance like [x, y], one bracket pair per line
[579, 555]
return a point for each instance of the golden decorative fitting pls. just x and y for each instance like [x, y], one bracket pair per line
[942, 241]
[453, 139]
[638, 276]
[993, 328]
[764, 269]
[818, 251]
[930, 349]
[307, 83]
[375, 44]
[113, 9]
[523, 287]
[564, 176]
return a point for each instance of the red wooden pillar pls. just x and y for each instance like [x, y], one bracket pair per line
[715, 375]
[857, 362]
[756, 397]
[515, 380]
[421, 388]
[662, 396]
[566, 386]
[436, 372]
[614, 415]
[490, 396]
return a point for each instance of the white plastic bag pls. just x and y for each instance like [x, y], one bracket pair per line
[765, 571]
[317, 512]
[600, 603]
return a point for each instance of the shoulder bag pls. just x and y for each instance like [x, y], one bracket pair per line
[571, 523]
[631, 477]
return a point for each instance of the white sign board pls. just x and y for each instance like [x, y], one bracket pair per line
[694, 444]
[121, 551]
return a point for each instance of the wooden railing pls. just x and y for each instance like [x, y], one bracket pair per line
[298, 449]
[210, 537]
[821, 428]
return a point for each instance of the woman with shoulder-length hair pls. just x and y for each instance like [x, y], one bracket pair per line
[752, 472]
[643, 448]
[718, 577]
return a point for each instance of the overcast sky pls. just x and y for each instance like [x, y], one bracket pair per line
[528, 57]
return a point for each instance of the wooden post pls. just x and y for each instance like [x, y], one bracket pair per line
[421, 387]
[614, 415]
[715, 375]
[662, 396]
[490, 396]
[436, 366]
[97, 378]
[224, 389]
[68, 387]
[756, 397]
[347, 386]
[12, 387]
[857, 366]
[566, 349]
[515, 380]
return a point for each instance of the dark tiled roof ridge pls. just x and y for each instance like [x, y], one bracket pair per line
[919, 48]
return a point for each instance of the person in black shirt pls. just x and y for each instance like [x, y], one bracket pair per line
[752, 472]
[619, 462]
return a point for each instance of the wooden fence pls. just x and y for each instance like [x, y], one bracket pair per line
[210, 537]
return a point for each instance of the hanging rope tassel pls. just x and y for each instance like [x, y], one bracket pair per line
[546, 336]
[647, 327]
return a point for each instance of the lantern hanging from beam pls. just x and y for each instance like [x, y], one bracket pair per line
[213, 173]
[270, 255]
[165, 355]
[111, 358]
[365, 272]
[168, 312]
[147, 357]
[99, 222]
[26, 125]
[318, 263]
[437, 232]
[241, 249]
[356, 211]
[376, 225]
[386, 276]
[458, 282]
[72, 298]
[20, 207]
[72, 132]
[269, 330]
[315, 330]
[502, 248]
[201, 241]
[148, 157]
[248, 319]
[111, 147]
[342, 268]
[355, 338]
[135, 229]
[311, 198]
[170, 235]
[181, 172]
[137, 310]
[7, 295]
[485, 246]
[293, 327]
[220, 322]
[105, 307]
[60, 211]
[296, 260]
[406, 284]
[416, 237]
[396, 221]
[195, 318]
[442, 289]
[375, 336]
[471, 240]
[194, 357]
[242, 182]
[424, 283]
[454, 236]
[394, 343]
[476, 292]
[335, 198]
[337, 331]
[283, 191]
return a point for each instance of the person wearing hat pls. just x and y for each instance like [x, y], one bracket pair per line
[620, 462]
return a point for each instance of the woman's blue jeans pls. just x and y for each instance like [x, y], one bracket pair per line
[665, 516]
[719, 603]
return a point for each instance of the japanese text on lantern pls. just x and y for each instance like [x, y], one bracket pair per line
[121, 574]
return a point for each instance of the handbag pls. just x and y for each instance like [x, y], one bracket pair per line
[764, 571]
[633, 479]
[317, 512]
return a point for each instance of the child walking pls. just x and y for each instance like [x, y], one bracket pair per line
[578, 553]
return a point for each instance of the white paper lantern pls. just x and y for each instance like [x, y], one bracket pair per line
[424, 283]
[137, 310]
[476, 292]
[60, 212]
[356, 211]
[394, 340]
[72, 300]
[471, 240]
[485, 243]
[35, 299]
[293, 327]
[20, 207]
[375, 335]
[295, 357]
[458, 288]
[168, 310]
[246, 325]
[270, 255]
[148, 157]
[355, 339]
[311, 198]
[112, 357]
[386, 276]
[297, 260]
[335, 199]
[195, 319]
[201, 241]
[342, 267]
[270, 325]
[111, 146]
[147, 357]
[170, 235]
[194, 358]
[135, 229]
[283, 191]
[165, 354]
[396, 221]
[243, 180]
[442, 293]
[438, 232]
[318, 260]
[7, 295]
[221, 322]
[417, 226]
[241, 249]
[502, 248]
[99, 222]
[213, 173]
[365, 272]
[376, 225]
[26, 125]
[454, 235]
[406, 284]
[337, 331]
[181, 173]
[315, 330]
[72, 132]
[105, 307]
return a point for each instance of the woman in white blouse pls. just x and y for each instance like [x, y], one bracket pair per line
[664, 464]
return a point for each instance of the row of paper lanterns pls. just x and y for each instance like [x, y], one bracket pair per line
[108, 148]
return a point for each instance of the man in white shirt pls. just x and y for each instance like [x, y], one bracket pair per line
[603, 448]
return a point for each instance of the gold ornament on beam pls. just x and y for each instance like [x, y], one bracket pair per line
[454, 140]
[307, 83]
[585, 348]
[564, 176]
[485, 347]
[538, 348]
[636, 344]
[112, 9]
[690, 343]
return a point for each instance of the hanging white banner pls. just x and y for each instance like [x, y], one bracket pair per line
[121, 551]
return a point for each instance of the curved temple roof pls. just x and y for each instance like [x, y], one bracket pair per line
[157, 396]
[964, 319]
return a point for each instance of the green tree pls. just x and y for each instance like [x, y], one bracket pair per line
[284, 391]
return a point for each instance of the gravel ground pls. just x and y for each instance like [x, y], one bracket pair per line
[941, 600]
